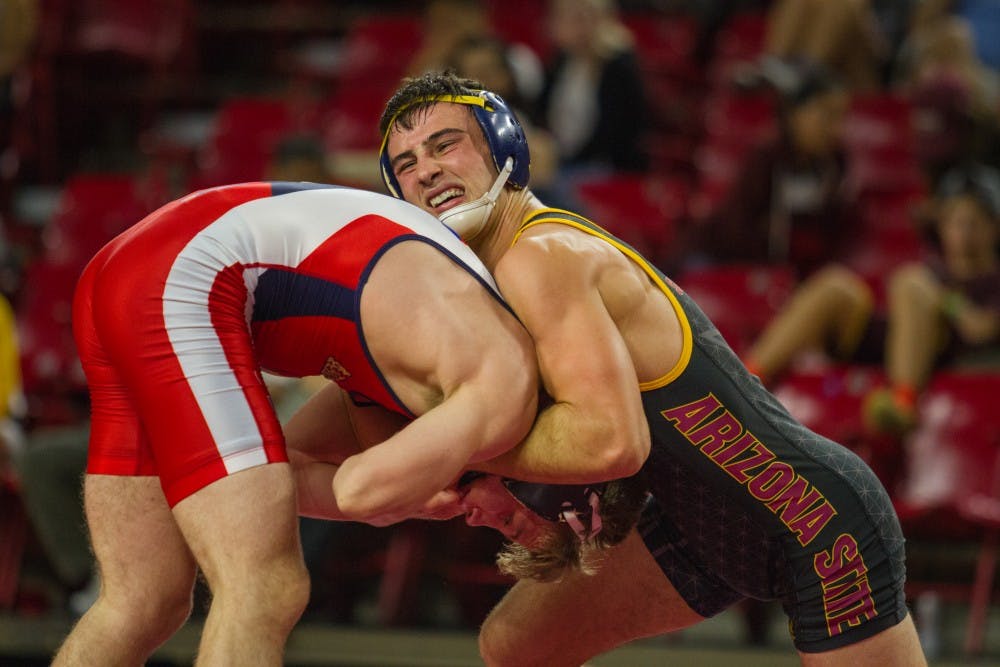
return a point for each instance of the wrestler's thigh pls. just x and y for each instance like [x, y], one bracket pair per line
[580, 616]
[139, 549]
[897, 646]
[242, 524]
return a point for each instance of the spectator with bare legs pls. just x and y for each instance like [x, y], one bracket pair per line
[936, 309]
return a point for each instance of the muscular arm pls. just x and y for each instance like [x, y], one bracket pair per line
[324, 432]
[459, 360]
[595, 429]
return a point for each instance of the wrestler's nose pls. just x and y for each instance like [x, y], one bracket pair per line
[475, 517]
[428, 170]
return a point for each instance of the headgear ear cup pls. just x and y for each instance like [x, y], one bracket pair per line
[504, 137]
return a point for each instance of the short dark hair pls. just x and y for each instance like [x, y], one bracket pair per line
[407, 101]
[978, 181]
[621, 506]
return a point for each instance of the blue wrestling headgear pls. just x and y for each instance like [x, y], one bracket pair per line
[578, 505]
[508, 147]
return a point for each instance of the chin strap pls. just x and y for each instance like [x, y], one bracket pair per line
[468, 219]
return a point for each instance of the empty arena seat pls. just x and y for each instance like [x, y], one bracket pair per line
[378, 48]
[739, 298]
[829, 400]
[644, 211]
[951, 489]
[241, 143]
[92, 209]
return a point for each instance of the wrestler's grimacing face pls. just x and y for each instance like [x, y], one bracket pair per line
[442, 161]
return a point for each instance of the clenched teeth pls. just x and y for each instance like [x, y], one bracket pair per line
[445, 196]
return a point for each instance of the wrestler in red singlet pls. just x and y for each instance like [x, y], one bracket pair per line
[217, 287]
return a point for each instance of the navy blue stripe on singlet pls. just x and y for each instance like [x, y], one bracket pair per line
[286, 187]
[281, 293]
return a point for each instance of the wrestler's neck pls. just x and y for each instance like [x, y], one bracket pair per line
[503, 224]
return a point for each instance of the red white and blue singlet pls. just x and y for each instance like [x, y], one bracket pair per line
[176, 318]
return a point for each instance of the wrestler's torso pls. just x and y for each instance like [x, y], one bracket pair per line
[756, 496]
[293, 261]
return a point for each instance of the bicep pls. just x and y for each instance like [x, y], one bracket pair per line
[583, 359]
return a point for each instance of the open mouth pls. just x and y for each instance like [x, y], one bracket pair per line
[445, 197]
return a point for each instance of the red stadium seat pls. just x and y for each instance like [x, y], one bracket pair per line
[643, 211]
[665, 43]
[878, 122]
[93, 208]
[740, 119]
[378, 48]
[739, 299]
[348, 120]
[886, 170]
[48, 353]
[951, 488]
[886, 238]
[734, 125]
[739, 41]
[829, 400]
[522, 22]
[241, 145]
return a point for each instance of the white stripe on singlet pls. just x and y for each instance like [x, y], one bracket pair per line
[272, 231]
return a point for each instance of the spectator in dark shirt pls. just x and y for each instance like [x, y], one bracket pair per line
[790, 202]
[593, 97]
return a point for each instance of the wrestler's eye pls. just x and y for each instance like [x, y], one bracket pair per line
[445, 145]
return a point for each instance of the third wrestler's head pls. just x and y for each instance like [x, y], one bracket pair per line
[451, 148]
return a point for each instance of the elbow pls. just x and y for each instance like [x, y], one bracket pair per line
[628, 450]
[355, 499]
[352, 505]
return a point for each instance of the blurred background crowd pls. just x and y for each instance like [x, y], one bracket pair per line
[820, 175]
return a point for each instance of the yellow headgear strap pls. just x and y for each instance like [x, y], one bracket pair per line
[472, 100]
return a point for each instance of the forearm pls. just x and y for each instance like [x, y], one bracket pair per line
[570, 445]
[975, 325]
[314, 487]
[399, 476]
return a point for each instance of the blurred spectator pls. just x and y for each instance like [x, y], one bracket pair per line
[446, 23]
[789, 203]
[18, 27]
[299, 157]
[956, 98]
[488, 60]
[11, 395]
[51, 471]
[713, 16]
[945, 47]
[593, 97]
[938, 311]
[843, 36]
[981, 16]
[946, 132]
